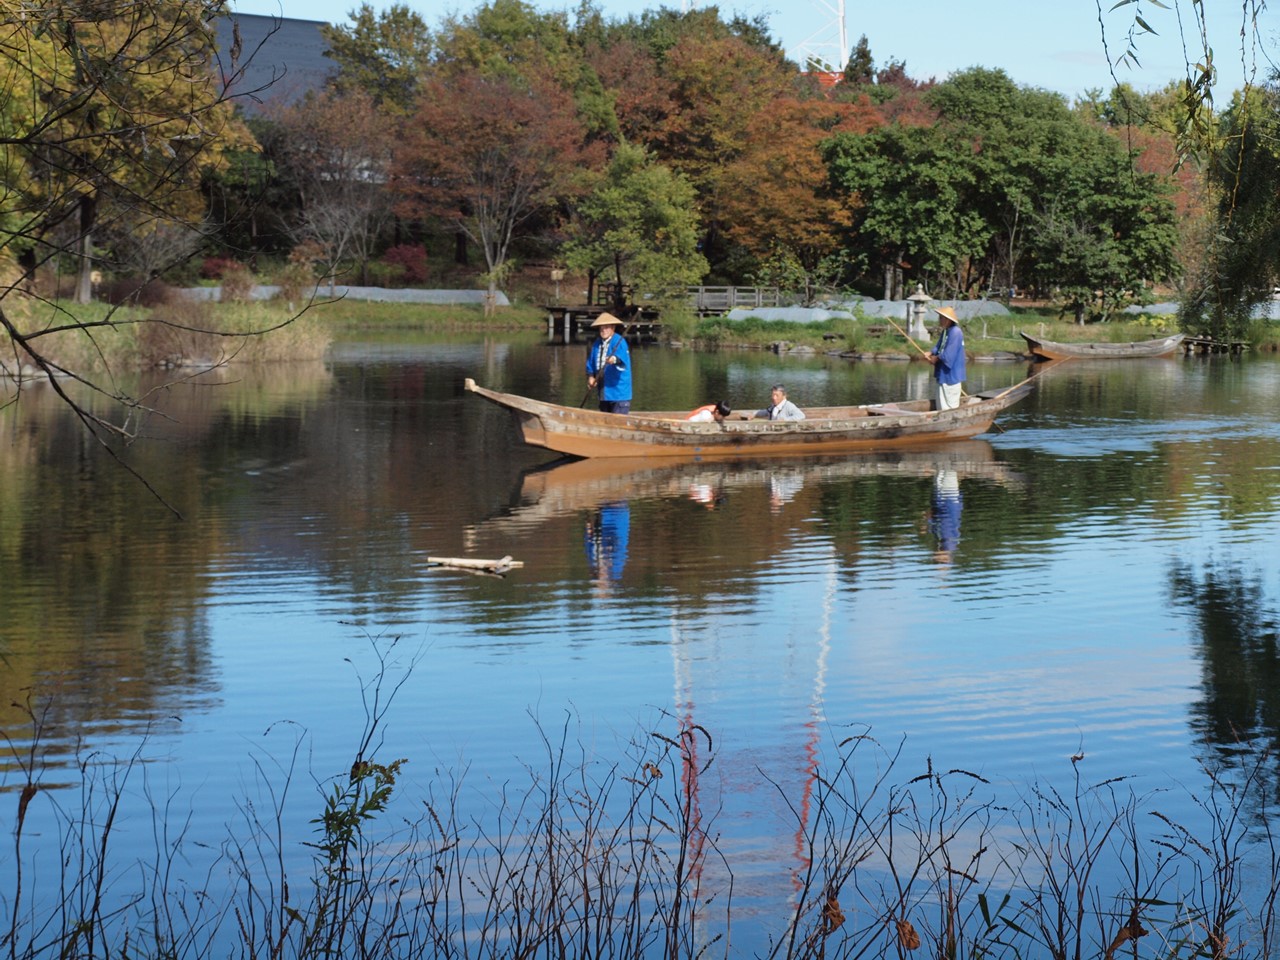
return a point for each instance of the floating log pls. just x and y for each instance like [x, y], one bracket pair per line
[466, 563]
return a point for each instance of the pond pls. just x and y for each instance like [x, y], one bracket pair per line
[1088, 593]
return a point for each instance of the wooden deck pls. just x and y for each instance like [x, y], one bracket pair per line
[570, 323]
[1206, 345]
[567, 323]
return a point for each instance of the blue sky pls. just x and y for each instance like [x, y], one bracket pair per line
[1058, 46]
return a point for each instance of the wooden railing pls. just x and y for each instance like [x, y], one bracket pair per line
[716, 300]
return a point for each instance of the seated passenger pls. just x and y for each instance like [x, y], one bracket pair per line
[781, 408]
[712, 411]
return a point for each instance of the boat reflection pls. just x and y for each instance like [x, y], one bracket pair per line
[567, 488]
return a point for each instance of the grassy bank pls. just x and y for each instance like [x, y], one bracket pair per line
[183, 332]
[877, 336]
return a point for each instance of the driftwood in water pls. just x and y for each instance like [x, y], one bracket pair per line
[487, 566]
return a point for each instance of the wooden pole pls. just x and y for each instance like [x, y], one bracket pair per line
[923, 351]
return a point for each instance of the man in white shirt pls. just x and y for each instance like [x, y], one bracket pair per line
[781, 408]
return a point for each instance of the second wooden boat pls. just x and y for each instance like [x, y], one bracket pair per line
[1104, 351]
[880, 426]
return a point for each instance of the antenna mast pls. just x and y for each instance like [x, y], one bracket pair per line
[827, 49]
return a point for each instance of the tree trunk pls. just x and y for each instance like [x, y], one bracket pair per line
[888, 281]
[491, 297]
[84, 282]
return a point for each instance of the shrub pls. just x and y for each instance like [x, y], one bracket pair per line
[138, 292]
[174, 335]
[53, 284]
[381, 274]
[296, 280]
[237, 284]
[215, 268]
[410, 259]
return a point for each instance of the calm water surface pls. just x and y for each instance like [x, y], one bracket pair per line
[1096, 577]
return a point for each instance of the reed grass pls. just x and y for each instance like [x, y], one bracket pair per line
[96, 337]
[599, 858]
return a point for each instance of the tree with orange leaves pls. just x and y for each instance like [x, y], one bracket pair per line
[774, 198]
[717, 87]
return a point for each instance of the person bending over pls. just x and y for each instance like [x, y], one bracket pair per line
[712, 411]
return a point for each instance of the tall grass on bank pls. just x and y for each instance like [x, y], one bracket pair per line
[621, 858]
[95, 337]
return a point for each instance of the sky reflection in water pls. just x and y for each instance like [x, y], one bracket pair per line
[1054, 589]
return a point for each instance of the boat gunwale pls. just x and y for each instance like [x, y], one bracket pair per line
[883, 415]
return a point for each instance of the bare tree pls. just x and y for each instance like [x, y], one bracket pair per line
[338, 149]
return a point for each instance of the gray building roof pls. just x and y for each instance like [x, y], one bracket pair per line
[279, 60]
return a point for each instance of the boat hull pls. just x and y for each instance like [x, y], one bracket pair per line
[1050, 350]
[589, 433]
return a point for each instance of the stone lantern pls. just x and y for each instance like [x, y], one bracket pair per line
[919, 307]
[557, 275]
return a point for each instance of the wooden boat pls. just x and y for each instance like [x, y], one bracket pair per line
[1104, 351]
[879, 426]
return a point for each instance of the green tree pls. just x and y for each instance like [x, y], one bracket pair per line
[1103, 234]
[640, 224]
[384, 54]
[860, 69]
[909, 191]
[1020, 141]
[1006, 186]
[1243, 262]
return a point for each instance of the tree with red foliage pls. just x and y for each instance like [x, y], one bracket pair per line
[488, 155]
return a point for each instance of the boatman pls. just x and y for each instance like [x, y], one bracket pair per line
[609, 366]
[947, 357]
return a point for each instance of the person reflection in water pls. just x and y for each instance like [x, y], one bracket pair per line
[606, 543]
[783, 488]
[944, 517]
